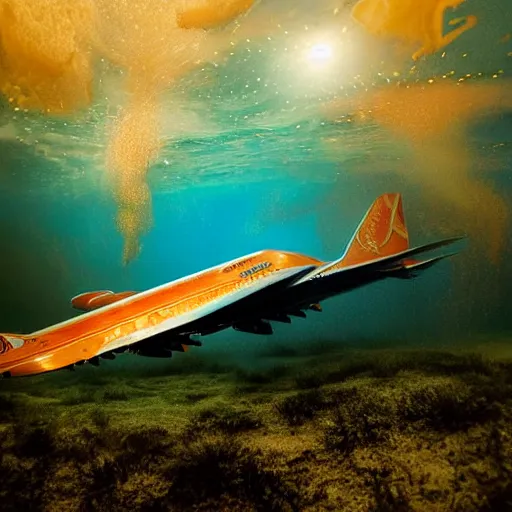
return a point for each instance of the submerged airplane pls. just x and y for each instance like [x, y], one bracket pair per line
[246, 293]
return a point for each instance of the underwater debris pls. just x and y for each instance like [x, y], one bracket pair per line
[279, 284]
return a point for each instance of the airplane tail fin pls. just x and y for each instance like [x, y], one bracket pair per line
[382, 232]
[381, 243]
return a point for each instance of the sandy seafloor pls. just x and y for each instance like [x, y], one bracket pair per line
[315, 428]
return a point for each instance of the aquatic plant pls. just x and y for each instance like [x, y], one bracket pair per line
[147, 441]
[226, 419]
[364, 444]
[309, 379]
[298, 408]
[114, 394]
[450, 406]
[77, 396]
[262, 376]
[8, 407]
[360, 419]
[387, 364]
[102, 476]
[22, 484]
[192, 364]
[196, 396]
[388, 496]
[34, 442]
[81, 446]
[242, 480]
[100, 418]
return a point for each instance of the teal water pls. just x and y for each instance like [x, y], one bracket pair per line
[63, 233]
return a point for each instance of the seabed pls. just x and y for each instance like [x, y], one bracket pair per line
[317, 428]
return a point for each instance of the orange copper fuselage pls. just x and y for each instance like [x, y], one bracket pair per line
[108, 327]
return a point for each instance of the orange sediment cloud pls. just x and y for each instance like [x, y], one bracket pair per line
[44, 58]
[47, 52]
[431, 119]
[209, 14]
[133, 145]
[413, 22]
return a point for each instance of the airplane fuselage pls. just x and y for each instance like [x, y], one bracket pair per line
[145, 314]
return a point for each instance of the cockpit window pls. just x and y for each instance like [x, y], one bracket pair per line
[10, 342]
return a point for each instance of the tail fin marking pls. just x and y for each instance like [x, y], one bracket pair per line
[382, 232]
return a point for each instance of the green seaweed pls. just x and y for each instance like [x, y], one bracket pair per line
[372, 423]
[241, 479]
[388, 495]
[115, 395]
[8, 407]
[265, 376]
[226, 420]
[100, 418]
[358, 420]
[298, 408]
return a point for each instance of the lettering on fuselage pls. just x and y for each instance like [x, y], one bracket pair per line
[237, 265]
[255, 269]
